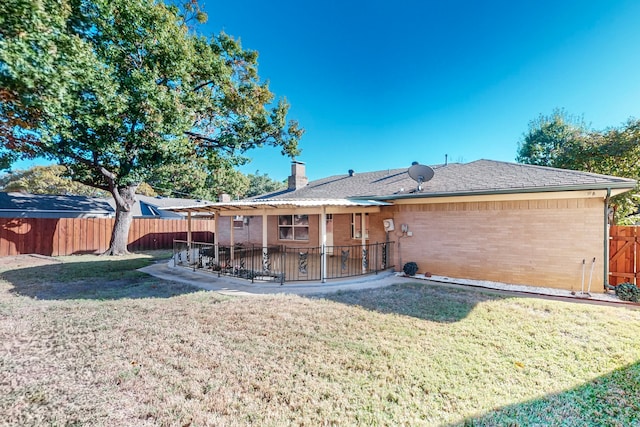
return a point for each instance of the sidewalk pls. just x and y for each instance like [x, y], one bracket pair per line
[234, 286]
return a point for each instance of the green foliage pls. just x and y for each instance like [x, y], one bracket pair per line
[547, 138]
[46, 180]
[115, 89]
[146, 190]
[562, 141]
[5, 160]
[110, 87]
[628, 292]
[615, 151]
[262, 184]
[410, 268]
[193, 181]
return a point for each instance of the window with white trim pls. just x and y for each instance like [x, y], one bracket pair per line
[293, 227]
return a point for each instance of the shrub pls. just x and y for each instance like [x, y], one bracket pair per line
[628, 292]
[410, 268]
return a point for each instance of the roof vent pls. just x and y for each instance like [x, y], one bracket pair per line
[351, 172]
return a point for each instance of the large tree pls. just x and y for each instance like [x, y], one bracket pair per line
[547, 136]
[46, 180]
[614, 151]
[193, 179]
[563, 142]
[262, 183]
[115, 89]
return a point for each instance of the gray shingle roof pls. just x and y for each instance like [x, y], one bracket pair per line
[141, 207]
[26, 205]
[481, 176]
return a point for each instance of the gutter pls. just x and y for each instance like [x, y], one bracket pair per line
[629, 185]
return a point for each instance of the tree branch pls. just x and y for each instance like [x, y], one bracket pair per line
[110, 176]
[201, 85]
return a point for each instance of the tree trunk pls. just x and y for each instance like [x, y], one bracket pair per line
[125, 199]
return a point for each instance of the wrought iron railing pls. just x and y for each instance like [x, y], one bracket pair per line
[283, 263]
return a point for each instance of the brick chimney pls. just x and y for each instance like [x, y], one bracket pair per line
[224, 198]
[298, 178]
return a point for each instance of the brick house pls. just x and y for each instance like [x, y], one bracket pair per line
[484, 220]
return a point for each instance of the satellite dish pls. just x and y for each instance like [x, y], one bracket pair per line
[420, 173]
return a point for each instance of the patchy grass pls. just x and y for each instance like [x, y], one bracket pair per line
[412, 354]
[88, 277]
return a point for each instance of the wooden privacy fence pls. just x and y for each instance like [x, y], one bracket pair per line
[68, 236]
[624, 254]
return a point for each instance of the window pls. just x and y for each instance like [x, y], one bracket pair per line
[293, 227]
[238, 221]
[356, 226]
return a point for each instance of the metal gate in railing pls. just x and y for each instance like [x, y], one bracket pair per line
[283, 263]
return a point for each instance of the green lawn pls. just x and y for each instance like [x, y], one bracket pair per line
[87, 340]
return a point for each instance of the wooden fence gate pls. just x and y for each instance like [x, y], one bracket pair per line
[624, 254]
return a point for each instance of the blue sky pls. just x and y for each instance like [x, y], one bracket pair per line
[379, 84]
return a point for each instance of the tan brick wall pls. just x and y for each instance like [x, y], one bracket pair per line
[536, 242]
[342, 229]
[247, 235]
[252, 233]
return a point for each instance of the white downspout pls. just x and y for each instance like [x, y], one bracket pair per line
[606, 240]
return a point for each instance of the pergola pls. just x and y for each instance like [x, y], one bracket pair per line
[266, 207]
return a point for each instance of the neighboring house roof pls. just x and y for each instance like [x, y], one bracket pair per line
[24, 205]
[479, 177]
[155, 207]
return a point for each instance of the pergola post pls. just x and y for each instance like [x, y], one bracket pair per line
[216, 239]
[231, 240]
[265, 241]
[189, 260]
[323, 245]
[363, 224]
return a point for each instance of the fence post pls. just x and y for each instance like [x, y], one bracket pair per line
[253, 251]
[376, 258]
[217, 256]
[196, 258]
[218, 260]
[323, 264]
[283, 263]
